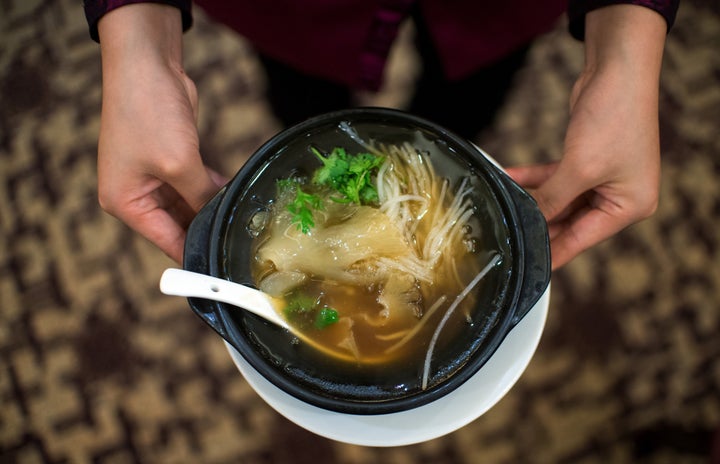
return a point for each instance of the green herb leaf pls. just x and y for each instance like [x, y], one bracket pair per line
[285, 184]
[299, 304]
[301, 207]
[335, 167]
[325, 317]
[349, 175]
[304, 311]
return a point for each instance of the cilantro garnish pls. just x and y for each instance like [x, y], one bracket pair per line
[298, 304]
[304, 310]
[302, 205]
[349, 175]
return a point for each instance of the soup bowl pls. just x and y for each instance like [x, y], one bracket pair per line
[512, 241]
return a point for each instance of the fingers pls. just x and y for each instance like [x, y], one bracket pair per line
[577, 218]
[178, 203]
[162, 229]
[583, 229]
[161, 210]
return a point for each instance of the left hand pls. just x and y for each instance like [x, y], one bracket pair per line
[609, 174]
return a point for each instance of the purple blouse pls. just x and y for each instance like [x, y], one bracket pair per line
[348, 41]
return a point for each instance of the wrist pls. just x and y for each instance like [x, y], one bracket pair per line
[137, 34]
[625, 37]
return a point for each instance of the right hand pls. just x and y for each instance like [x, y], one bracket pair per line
[150, 172]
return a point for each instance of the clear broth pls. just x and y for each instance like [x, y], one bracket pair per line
[386, 377]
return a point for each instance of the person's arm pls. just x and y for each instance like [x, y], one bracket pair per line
[96, 9]
[150, 172]
[608, 177]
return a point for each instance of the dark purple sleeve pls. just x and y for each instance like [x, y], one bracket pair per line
[95, 9]
[577, 9]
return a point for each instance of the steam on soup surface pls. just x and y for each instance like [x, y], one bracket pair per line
[373, 253]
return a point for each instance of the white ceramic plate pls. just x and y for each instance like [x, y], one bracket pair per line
[443, 416]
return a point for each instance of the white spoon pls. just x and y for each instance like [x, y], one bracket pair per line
[178, 282]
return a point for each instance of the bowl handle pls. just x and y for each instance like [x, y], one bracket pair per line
[537, 269]
[197, 244]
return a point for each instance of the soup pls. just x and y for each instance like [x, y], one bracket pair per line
[379, 258]
[506, 252]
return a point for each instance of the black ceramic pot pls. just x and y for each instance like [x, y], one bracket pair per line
[219, 244]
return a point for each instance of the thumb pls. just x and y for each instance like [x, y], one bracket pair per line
[219, 179]
[557, 193]
[195, 182]
[546, 186]
[531, 177]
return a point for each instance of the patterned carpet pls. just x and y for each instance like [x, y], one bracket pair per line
[96, 366]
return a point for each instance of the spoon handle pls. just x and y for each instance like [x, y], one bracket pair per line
[179, 282]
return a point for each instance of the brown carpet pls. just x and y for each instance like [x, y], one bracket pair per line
[96, 366]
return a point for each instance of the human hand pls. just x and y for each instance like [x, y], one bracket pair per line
[608, 177]
[150, 172]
